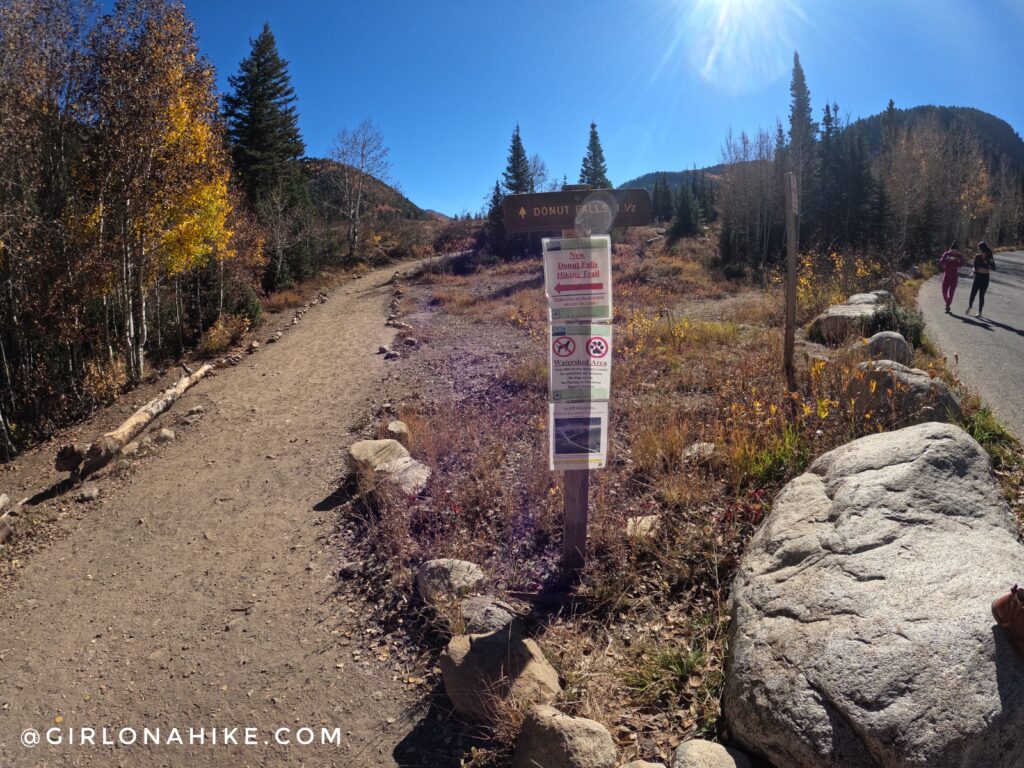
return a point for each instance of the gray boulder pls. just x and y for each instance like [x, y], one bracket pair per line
[486, 614]
[861, 631]
[482, 673]
[388, 461]
[446, 579]
[841, 321]
[552, 739]
[699, 753]
[864, 298]
[886, 345]
[886, 387]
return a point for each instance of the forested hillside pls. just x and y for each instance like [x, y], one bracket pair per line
[142, 215]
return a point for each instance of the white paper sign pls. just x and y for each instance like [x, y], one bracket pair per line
[578, 277]
[578, 435]
[580, 361]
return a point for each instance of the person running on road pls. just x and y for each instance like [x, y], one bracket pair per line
[984, 263]
[951, 262]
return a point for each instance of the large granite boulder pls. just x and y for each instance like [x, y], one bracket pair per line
[862, 634]
[481, 672]
[840, 322]
[885, 387]
[885, 345]
[388, 461]
[552, 739]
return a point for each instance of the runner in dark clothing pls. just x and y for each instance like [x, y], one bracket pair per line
[984, 263]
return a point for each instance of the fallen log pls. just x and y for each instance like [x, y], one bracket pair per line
[83, 461]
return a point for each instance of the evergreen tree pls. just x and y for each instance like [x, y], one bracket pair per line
[495, 224]
[262, 121]
[802, 131]
[517, 171]
[687, 219]
[594, 171]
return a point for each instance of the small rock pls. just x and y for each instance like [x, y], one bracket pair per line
[4, 501]
[486, 614]
[643, 764]
[89, 492]
[253, 346]
[480, 671]
[195, 410]
[399, 430]
[447, 579]
[555, 740]
[411, 342]
[122, 466]
[165, 435]
[146, 442]
[130, 449]
[271, 340]
[382, 350]
[6, 532]
[642, 526]
[349, 570]
[707, 754]
[391, 355]
[699, 452]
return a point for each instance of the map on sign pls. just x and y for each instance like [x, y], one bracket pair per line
[578, 435]
[580, 362]
[578, 277]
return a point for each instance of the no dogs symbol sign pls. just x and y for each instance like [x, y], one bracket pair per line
[581, 362]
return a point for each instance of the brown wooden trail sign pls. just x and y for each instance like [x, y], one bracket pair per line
[577, 211]
[587, 210]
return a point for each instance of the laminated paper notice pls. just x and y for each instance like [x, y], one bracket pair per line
[580, 361]
[578, 435]
[578, 277]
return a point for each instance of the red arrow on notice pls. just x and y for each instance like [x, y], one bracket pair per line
[578, 288]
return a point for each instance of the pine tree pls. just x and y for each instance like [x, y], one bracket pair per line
[517, 171]
[262, 121]
[594, 171]
[687, 219]
[802, 131]
[495, 225]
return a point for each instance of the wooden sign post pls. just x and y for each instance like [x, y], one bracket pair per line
[578, 286]
[792, 219]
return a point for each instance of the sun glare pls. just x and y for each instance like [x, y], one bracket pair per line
[738, 45]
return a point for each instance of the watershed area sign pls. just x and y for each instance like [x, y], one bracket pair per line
[578, 277]
[593, 210]
[581, 362]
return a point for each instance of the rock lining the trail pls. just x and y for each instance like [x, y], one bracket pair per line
[885, 345]
[553, 739]
[861, 629]
[445, 579]
[389, 462]
[699, 753]
[912, 395]
[482, 673]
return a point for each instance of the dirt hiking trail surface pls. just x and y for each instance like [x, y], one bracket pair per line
[203, 594]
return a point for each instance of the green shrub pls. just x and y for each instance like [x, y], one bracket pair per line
[983, 426]
[906, 321]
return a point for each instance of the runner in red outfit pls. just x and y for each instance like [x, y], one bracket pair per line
[950, 262]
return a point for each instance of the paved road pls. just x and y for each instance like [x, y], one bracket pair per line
[990, 352]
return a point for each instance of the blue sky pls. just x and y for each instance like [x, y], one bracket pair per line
[447, 80]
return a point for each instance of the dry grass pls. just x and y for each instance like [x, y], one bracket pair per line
[282, 300]
[645, 653]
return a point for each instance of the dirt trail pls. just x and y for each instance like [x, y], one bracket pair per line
[201, 594]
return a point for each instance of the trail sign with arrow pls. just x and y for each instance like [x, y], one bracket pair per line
[585, 210]
[578, 277]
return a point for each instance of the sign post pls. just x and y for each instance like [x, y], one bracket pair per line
[578, 285]
[792, 214]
